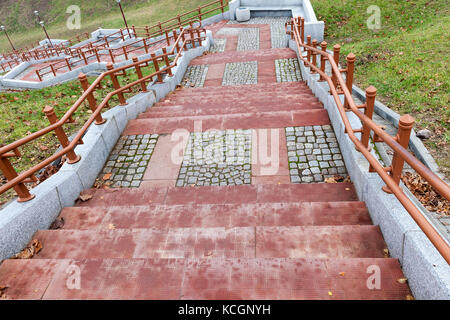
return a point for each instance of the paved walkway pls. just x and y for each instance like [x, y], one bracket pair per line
[217, 192]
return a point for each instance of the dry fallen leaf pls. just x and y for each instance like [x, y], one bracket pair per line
[330, 293]
[85, 197]
[111, 226]
[409, 297]
[342, 274]
[402, 280]
[57, 224]
[3, 291]
[107, 176]
[386, 252]
[29, 252]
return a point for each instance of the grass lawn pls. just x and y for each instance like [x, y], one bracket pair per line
[18, 17]
[406, 60]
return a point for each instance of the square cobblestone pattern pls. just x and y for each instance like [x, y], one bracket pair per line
[195, 76]
[217, 158]
[287, 70]
[129, 160]
[277, 29]
[313, 154]
[219, 45]
[248, 39]
[240, 73]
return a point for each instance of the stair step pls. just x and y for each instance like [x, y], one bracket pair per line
[257, 120]
[218, 279]
[244, 194]
[264, 87]
[244, 56]
[180, 111]
[239, 242]
[271, 101]
[213, 216]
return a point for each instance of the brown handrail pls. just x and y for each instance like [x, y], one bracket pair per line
[298, 33]
[181, 42]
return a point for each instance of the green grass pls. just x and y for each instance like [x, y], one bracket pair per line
[18, 16]
[406, 60]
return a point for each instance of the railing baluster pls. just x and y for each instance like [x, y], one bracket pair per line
[116, 84]
[371, 93]
[156, 65]
[308, 51]
[350, 71]
[323, 59]
[167, 62]
[10, 174]
[336, 53]
[139, 74]
[314, 56]
[72, 157]
[405, 125]
[91, 99]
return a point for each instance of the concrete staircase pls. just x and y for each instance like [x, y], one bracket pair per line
[259, 241]
[244, 242]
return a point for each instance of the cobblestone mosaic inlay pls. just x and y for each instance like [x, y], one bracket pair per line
[195, 76]
[287, 70]
[128, 161]
[219, 45]
[313, 154]
[240, 73]
[217, 158]
[277, 29]
[248, 39]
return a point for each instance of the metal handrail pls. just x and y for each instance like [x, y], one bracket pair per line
[178, 47]
[437, 183]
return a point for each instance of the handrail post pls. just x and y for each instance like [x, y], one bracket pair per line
[350, 71]
[134, 31]
[405, 125]
[167, 37]
[124, 49]
[10, 174]
[68, 64]
[39, 75]
[323, 59]
[145, 45]
[175, 37]
[221, 6]
[302, 33]
[336, 53]
[72, 157]
[53, 69]
[166, 60]
[314, 56]
[116, 84]
[191, 33]
[371, 93]
[156, 65]
[111, 56]
[97, 55]
[308, 51]
[139, 74]
[91, 99]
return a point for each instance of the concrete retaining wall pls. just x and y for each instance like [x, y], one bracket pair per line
[427, 272]
[19, 221]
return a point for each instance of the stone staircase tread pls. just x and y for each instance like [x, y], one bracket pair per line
[361, 241]
[256, 120]
[213, 215]
[206, 278]
[286, 193]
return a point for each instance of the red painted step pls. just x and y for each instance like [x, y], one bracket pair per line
[182, 111]
[238, 242]
[284, 193]
[258, 120]
[209, 278]
[217, 215]
[240, 100]
[244, 56]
